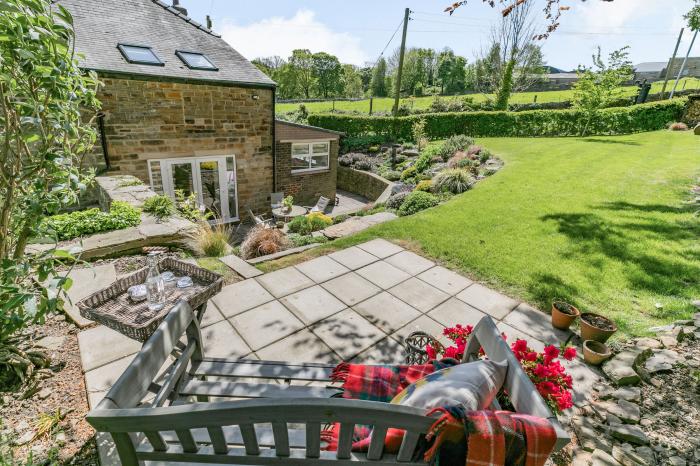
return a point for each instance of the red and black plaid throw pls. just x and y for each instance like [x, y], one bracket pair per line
[374, 383]
[484, 438]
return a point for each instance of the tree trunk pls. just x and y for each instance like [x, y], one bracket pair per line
[506, 86]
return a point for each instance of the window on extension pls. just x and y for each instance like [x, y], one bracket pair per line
[139, 54]
[196, 60]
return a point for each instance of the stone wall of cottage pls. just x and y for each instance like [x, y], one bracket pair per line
[151, 120]
[306, 187]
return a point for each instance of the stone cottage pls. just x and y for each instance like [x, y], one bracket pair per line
[182, 110]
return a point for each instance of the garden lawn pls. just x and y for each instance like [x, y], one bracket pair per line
[385, 104]
[601, 222]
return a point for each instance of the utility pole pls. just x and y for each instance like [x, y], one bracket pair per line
[685, 60]
[670, 64]
[401, 54]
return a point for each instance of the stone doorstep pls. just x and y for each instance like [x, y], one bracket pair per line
[240, 266]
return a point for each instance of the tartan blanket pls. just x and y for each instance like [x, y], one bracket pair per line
[492, 438]
[375, 383]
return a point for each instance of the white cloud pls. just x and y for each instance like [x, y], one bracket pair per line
[279, 36]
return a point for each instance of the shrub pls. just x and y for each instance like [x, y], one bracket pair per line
[261, 241]
[395, 200]
[453, 180]
[678, 126]
[616, 120]
[454, 144]
[417, 201]
[86, 222]
[345, 160]
[212, 241]
[459, 160]
[306, 224]
[392, 175]
[373, 149]
[355, 143]
[425, 185]
[189, 207]
[159, 206]
[363, 164]
[484, 155]
[409, 174]
[304, 240]
[340, 218]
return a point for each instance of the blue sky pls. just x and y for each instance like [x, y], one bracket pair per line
[357, 30]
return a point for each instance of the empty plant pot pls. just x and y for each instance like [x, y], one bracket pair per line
[563, 315]
[596, 327]
[595, 352]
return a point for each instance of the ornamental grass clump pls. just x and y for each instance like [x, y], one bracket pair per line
[261, 241]
[454, 144]
[211, 240]
[161, 207]
[453, 180]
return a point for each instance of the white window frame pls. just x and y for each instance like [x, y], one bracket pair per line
[310, 146]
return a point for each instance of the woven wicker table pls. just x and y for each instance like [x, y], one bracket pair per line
[113, 308]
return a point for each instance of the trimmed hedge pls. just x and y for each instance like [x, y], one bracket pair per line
[609, 121]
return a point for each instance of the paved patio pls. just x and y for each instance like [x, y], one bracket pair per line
[356, 304]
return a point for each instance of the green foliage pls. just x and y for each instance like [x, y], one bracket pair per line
[212, 241]
[409, 174]
[693, 17]
[417, 201]
[425, 185]
[328, 73]
[379, 80]
[298, 240]
[46, 108]
[307, 224]
[86, 222]
[453, 180]
[609, 121]
[395, 200]
[288, 202]
[418, 132]
[159, 206]
[598, 86]
[189, 208]
[484, 155]
[361, 142]
[456, 143]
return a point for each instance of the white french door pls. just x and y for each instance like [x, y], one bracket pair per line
[211, 179]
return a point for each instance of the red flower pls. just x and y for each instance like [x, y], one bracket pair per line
[564, 400]
[569, 353]
[531, 356]
[432, 354]
[519, 346]
[551, 352]
[451, 352]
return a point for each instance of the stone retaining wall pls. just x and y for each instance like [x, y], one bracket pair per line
[369, 185]
[125, 188]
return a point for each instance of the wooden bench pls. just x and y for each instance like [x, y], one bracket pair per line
[275, 416]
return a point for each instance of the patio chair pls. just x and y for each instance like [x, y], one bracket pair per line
[261, 220]
[276, 200]
[321, 205]
[266, 423]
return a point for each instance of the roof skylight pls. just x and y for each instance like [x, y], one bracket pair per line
[139, 54]
[195, 60]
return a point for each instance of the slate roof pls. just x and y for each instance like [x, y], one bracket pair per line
[101, 24]
[650, 67]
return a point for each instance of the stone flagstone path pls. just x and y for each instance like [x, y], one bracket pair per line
[356, 304]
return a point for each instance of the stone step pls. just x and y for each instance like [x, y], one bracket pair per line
[240, 266]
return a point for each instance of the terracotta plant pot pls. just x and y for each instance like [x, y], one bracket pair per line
[595, 352]
[561, 319]
[596, 327]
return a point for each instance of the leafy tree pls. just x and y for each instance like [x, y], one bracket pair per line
[693, 17]
[45, 129]
[302, 65]
[451, 72]
[352, 81]
[327, 73]
[601, 84]
[366, 75]
[379, 79]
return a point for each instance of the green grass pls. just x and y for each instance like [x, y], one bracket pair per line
[601, 222]
[384, 104]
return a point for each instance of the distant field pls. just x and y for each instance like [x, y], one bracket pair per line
[384, 104]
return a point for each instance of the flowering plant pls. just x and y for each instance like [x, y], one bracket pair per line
[544, 369]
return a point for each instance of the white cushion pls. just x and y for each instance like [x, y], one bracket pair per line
[472, 385]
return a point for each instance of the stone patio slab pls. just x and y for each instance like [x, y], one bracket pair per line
[537, 324]
[284, 281]
[488, 300]
[240, 297]
[222, 341]
[312, 304]
[418, 294]
[302, 346]
[102, 378]
[513, 334]
[212, 315]
[422, 324]
[101, 345]
[410, 262]
[386, 351]
[265, 324]
[240, 266]
[383, 275]
[322, 269]
[445, 280]
[387, 312]
[380, 248]
[86, 281]
[353, 257]
[351, 288]
[453, 311]
[347, 333]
